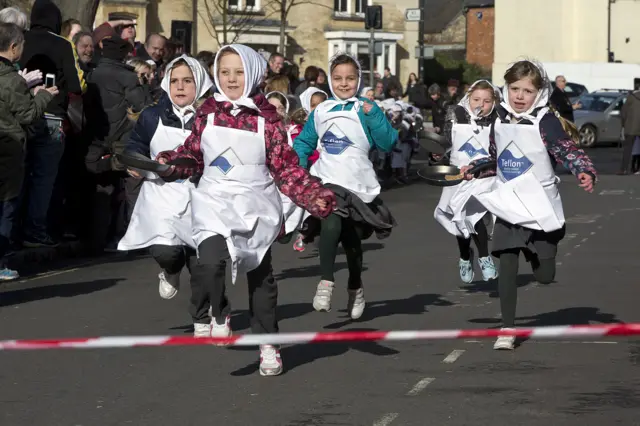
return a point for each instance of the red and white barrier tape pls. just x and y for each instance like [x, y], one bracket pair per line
[568, 331]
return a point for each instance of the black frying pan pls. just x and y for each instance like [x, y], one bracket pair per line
[433, 142]
[449, 175]
[139, 161]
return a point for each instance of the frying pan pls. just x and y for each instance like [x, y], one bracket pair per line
[433, 142]
[449, 175]
[142, 162]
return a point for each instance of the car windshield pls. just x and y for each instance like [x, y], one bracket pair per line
[593, 102]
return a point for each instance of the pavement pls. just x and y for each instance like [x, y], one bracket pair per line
[411, 282]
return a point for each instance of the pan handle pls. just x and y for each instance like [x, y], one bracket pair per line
[482, 167]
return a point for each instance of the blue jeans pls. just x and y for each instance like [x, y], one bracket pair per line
[44, 151]
[7, 216]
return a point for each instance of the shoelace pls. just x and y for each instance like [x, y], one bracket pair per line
[269, 354]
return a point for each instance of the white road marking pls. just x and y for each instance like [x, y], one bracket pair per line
[568, 254]
[386, 419]
[562, 342]
[612, 192]
[584, 240]
[453, 356]
[47, 275]
[558, 263]
[583, 218]
[420, 386]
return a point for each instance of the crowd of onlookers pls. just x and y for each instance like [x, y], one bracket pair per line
[70, 99]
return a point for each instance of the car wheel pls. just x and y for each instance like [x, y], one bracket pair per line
[588, 136]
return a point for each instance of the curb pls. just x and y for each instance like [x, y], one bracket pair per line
[31, 260]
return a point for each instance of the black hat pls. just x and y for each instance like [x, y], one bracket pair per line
[117, 16]
[116, 48]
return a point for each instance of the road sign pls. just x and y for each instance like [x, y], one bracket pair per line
[427, 52]
[412, 15]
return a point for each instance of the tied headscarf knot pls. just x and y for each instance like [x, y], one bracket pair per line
[474, 114]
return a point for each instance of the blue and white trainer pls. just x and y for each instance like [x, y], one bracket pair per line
[488, 268]
[7, 274]
[466, 269]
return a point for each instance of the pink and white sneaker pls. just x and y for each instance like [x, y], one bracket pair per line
[221, 330]
[270, 361]
[298, 244]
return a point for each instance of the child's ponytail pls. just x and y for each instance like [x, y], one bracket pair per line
[569, 128]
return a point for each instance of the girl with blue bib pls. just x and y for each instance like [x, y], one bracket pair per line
[344, 129]
[525, 198]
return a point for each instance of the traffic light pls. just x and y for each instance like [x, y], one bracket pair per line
[373, 18]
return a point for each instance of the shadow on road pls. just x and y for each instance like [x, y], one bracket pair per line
[567, 316]
[297, 355]
[310, 254]
[25, 295]
[309, 271]
[414, 305]
[491, 287]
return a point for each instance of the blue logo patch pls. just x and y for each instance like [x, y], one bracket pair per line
[222, 164]
[333, 144]
[471, 150]
[512, 162]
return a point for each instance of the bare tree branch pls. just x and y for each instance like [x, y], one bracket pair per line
[227, 25]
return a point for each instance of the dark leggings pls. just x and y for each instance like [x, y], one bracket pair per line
[544, 270]
[481, 238]
[335, 230]
[208, 288]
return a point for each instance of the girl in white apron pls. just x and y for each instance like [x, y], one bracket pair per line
[309, 100]
[241, 150]
[468, 126]
[161, 218]
[526, 198]
[344, 129]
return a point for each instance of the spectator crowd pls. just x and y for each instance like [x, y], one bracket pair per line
[71, 97]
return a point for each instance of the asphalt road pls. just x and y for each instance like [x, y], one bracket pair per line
[411, 282]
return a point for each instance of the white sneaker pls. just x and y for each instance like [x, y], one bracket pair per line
[356, 303]
[322, 299]
[488, 268]
[270, 361]
[221, 330]
[505, 343]
[166, 289]
[201, 330]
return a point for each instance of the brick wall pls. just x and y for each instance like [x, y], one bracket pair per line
[480, 36]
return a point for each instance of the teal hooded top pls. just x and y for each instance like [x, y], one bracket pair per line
[376, 126]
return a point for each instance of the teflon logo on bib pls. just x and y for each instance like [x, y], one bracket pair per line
[226, 161]
[512, 162]
[472, 148]
[334, 141]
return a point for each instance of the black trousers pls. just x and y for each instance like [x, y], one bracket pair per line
[481, 238]
[208, 288]
[627, 149]
[173, 258]
[544, 270]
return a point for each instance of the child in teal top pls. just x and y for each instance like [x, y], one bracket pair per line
[344, 129]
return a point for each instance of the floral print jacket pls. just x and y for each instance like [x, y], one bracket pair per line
[293, 181]
[561, 148]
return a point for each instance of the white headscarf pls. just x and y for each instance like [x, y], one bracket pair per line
[255, 67]
[364, 91]
[200, 78]
[305, 97]
[354, 98]
[286, 100]
[541, 100]
[466, 105]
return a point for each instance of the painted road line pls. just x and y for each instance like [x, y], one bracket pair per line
[420, 386]
[48, 274]
[453, 356]
[386, 419]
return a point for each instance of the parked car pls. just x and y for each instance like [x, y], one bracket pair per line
[598, 117]
[573, 90]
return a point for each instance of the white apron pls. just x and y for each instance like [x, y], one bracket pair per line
[457, 211]
[236, 196]
[526, 191]
[344, 151]
[162, 213]
[293, 214]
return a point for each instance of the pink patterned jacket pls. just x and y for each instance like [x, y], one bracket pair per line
[283, 163]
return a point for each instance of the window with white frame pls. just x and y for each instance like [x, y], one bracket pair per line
[341, 6]
[361, 6]
[251, 5]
